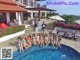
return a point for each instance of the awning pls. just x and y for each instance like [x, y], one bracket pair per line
[11, 8]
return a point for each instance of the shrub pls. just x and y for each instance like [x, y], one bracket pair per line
[52, 24]
[11, 30]
[65, 25]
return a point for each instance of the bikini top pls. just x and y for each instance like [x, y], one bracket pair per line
[24, 40]
[28, 38]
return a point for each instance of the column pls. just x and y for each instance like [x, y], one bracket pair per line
[20, 22]
[28, 3]
[7, 17]
[45, 14]
[33, 3]
[31, 15]
[19, 18]
[22, 1]
[40, 14]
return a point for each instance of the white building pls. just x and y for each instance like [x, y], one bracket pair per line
[32, 8]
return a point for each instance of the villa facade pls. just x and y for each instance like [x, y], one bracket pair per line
[33, 9]
[20, 9]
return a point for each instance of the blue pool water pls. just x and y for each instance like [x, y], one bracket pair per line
[47, 53]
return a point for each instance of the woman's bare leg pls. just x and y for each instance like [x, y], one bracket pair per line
[48, 43]
[52, 43]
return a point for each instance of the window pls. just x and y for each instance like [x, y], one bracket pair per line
[31, 3]
[29, 14]
[25, 2]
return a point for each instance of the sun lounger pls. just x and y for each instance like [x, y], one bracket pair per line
[61, 33]
[77, 35]
[69, 33]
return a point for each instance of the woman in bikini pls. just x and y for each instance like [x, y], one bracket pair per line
[42, 39]
[25, 45]
[29, 42]
[59, 40]
[56, 39]
[51, 39]
[38, 38]
[47, 41]
[19, 43]
[34, 39]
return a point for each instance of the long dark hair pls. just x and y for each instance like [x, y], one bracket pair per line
[19, 38]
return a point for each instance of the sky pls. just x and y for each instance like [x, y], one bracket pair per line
[73, 9]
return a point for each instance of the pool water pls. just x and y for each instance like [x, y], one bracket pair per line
[47, 53]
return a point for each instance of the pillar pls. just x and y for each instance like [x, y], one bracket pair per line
[40, 14]
[8, 17]
[20, 22]
[45, 14]
[28, 3]
[18, 18]
[22, 1]
[33, 3]
[31, 15]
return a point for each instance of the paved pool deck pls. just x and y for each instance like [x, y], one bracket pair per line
[12, 42]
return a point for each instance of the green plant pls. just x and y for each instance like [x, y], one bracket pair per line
[53, 24]
[11, 30]
[70, 19]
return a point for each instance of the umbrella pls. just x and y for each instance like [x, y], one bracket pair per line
[57, 17]
[77, 21]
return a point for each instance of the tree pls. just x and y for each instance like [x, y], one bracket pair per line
[70, 19]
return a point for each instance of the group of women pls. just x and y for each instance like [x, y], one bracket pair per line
[40, 39]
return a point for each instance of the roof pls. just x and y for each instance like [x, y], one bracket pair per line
[38, 8]
[8, 2]
[11, 8]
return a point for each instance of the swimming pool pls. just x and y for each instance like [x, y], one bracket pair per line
[48, 53]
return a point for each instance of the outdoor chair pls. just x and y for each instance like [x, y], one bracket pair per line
[77, 35]
[61, 31]
[68, 33]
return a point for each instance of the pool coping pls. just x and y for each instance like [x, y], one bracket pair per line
[78, 50]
